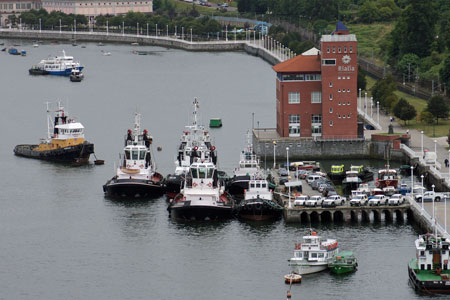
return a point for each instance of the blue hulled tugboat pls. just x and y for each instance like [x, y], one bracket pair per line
[64, 142]
[136, 174]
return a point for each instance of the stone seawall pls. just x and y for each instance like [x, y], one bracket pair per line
[247, 46]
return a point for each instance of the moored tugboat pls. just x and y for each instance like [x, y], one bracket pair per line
[202, 197]
[363, 173]
[429, 272]
[195, 143]
[351, 182]
[258, 203]
[387, 177]
[64, 143]
[136, 174]
[337, 173]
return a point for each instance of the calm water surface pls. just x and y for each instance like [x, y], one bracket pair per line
[61, 239]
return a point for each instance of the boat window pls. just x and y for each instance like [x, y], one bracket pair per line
[299, 254]
[194, 172]
[422, 266]
[252, 185]
[202, 172]
[313, 255]
[135, 154]
[321, 255]
[142, 154]
[210, 172]
[127, 154]
[428, 266]
[263, 185]
[258, 185]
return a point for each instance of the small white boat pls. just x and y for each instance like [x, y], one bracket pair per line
[106, 53]
[35, 45]
[313, 254]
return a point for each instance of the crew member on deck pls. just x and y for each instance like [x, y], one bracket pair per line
[129, 137]
[147, 139]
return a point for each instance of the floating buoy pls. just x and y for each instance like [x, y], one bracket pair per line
[288, 296]
[292, 278]
[99, 162]
[159, 148]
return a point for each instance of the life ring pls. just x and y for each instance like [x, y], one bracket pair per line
[388, 182]
[195, 148]
[377, 183]
[213, 148]
[194, 184]
[209, 184]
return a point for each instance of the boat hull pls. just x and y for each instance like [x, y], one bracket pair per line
[72, 154]
[200, 213]
[65, 72]
[428, 286]
[342, 269]
[173, 184]
[132, 188]
[258, 210]
[303, 269]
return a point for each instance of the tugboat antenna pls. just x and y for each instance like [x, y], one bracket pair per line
[49, 121]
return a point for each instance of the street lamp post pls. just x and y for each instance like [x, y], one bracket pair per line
[378, 112]
[156, 30]
[412, 181]
[371, 107]
[107, 27]
[365, 103]
[191, 35]
[433, 202]
[137, 29]
[449, 163]
[274, 154]
[435, 154]
[123, 28]
[287, 156]
[40, 26]
[421, 176]
[421, 143]
[360, 102]
[60, 26]
[75, 26]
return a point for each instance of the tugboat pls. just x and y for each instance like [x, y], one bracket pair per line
[64, 143]
[313, 254]
[76, 75]
[343, 262]
[429, 272]
[387, 177]
[136, 174]
[202, 197]
[195, 143]
[258, 203]
[337, 173]
[351, 182]
[248, 168]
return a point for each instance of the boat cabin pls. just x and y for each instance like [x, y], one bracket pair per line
[69, 131]
[258, 188]
[202, 175]
[337, 169]
[357, 169]
[136, 157]
[432, 252]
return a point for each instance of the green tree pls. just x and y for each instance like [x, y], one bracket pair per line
[426, 117]
[408, 64]
[361, 79]
[368, 13]
[384, 88]
[438, 107]
[404, 111]
[445, 72]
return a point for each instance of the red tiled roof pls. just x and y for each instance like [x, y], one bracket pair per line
[300, 63]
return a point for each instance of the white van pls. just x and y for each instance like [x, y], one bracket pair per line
[311, 178]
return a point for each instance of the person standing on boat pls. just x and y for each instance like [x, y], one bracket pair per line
[129, 137]
[147, 139]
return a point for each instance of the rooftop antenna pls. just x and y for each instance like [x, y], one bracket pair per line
[49, 121]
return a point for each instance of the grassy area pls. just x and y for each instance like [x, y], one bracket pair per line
[181, 7]
[439, 130]
[369, 38]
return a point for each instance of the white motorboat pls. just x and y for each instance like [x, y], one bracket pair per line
[60, 65]
[313, 254]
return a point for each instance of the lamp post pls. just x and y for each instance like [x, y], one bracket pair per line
[191, 35]
[147, 29]
[156, 30]
[449, 163]
[433, 200]
[274, 153]
[435, 154]
[421, 176]
[365, 103]
[378, 113]
[421, 143]
[445, 213]
[60, 26]
[226, 33]
[360, 102]
[107, 27]
[123, 28]
[182, 33]
[75, 26]
[20, 24]
[412, 181]
[40, 26]
[371, 107]
[137, 29]
[287, 157]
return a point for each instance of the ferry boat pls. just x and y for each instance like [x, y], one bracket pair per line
[202, 197]
[313, 254]
[350, 182]
[386, 177]
[64, 143]
[136, 174]
[60, 65]
[248, 167]
[337, 173]
[429, 270]
[195, 143]
[343, 262]
[258, 203]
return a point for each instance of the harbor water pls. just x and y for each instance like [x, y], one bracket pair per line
[61, 239]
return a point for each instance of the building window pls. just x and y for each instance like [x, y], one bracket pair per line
[348, 103]
[348, 116]
[339, 103]
[331, 84]
[343, 116]
[294, 119]
[17, 5]
[339, 49]
[294, 125]
[331, 96]
[331, 110]
[328, 49]
[328, 62]
[331, 123]
[292, 77]
[345, 49]
[334, 49]
[316, 97]
[348, 77]
[351, 49]
[339, 77]
[316, 125]
[313, 77]
[339, 90]
[348, 90]
[339, 116]
[294, 98]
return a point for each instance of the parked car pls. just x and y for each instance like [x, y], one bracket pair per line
[430, 196]
[378, 200]
[300, 200]
[302, 174]
[224, 5]
[282, 172]
[396, 199]
[334, 200]
[329, 191]
[359, 200]
[312, 177]
[322, 186]
[314, 201]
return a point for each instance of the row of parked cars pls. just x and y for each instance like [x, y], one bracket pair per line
[363, 200]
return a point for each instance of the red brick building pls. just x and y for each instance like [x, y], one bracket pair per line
[316, 91]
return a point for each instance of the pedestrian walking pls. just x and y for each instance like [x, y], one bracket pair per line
[446, 162]
[407, 131]
[391, 119]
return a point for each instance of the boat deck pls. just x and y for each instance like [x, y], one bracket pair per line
[427, 275]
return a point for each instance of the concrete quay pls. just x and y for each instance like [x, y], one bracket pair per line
[263, 48]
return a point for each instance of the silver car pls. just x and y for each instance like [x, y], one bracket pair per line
[314, 201]
[396, 199]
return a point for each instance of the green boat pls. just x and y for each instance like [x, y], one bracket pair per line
[215, 123]
[343, 262]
